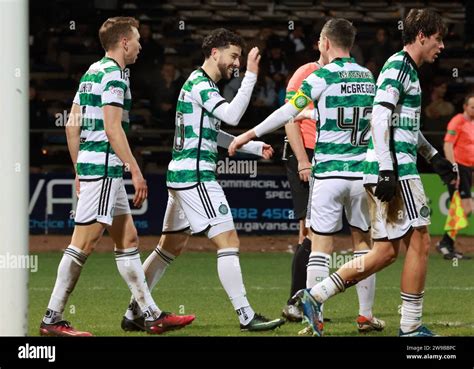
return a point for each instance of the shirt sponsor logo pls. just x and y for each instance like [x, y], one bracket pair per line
[212, 94]
[116, 91]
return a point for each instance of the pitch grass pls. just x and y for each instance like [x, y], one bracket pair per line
[191, 285]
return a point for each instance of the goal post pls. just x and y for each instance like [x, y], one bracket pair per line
[14, 167]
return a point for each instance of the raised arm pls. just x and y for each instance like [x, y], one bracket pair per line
[311, 90]
[274, 121]
[258, 148]
[232, 112]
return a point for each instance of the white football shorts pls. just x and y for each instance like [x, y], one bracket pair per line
[328, 198]
[201, 209]
[409, 208]
[99, 201]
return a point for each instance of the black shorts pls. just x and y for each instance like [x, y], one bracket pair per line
[299, 189]
[465, 182]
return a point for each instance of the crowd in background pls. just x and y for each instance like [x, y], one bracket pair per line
[60, 54]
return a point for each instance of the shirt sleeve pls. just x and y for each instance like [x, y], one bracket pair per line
[452, 130]
[391, 84]
[210, 98]
[207, 96]
[314, 85]
[76, 99]
[224, 140]
[114, 89]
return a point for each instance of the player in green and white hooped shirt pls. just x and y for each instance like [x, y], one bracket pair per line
[343, 93]
[196, 201]
[397, 204]
[99, 149]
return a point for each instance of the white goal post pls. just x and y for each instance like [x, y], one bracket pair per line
[14, 167]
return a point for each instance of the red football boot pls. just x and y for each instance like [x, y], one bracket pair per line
[168, 322]
[61, 329]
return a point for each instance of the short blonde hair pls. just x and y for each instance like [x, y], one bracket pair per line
[113, 29]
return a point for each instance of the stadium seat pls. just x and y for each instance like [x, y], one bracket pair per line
[223, 4]
[346, 14]
[311, 14]
[340, 4]
[256, 4]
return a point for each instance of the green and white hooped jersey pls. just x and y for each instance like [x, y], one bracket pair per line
[343, 93]
[194, 155]
[398, 88]
[105, 83]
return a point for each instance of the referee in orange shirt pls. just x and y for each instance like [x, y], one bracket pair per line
[459, 148]
[298, 168]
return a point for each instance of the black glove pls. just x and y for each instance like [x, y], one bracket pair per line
[444, 168]
[386, 185]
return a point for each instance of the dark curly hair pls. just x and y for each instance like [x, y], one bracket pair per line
[220, 38]
[426, 21]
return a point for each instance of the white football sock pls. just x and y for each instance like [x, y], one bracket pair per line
[412, 310]
[318, 268]
[230, 275]
[130, 268]
[154, 266]
[329, 287]
[365, 291]
[69, 270]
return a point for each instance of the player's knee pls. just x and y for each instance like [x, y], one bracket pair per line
[234, 241]
[173, 243]
[89, 245]
[388, 256]
[424, 244]
[131, 240]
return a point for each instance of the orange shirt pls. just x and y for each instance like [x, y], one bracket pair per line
[461, 134]
[307, 126]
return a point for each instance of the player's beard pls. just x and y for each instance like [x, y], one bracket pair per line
[224, 70]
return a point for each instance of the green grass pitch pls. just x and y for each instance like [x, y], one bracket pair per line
[191, 285]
